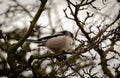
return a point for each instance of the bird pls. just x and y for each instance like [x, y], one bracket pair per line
[59, 41]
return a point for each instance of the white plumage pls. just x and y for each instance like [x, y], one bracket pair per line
[58, 43]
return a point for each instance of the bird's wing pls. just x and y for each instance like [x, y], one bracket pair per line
[44, 39]
[48, 37]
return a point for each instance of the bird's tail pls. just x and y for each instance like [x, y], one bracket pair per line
[33, 41]
[40, 43]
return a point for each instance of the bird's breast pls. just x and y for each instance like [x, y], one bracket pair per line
[58, 43]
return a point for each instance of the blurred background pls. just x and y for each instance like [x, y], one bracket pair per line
[97, 19]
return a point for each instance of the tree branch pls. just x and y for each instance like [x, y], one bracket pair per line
[13, 47]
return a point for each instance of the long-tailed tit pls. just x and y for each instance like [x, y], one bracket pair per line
[60, 40]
